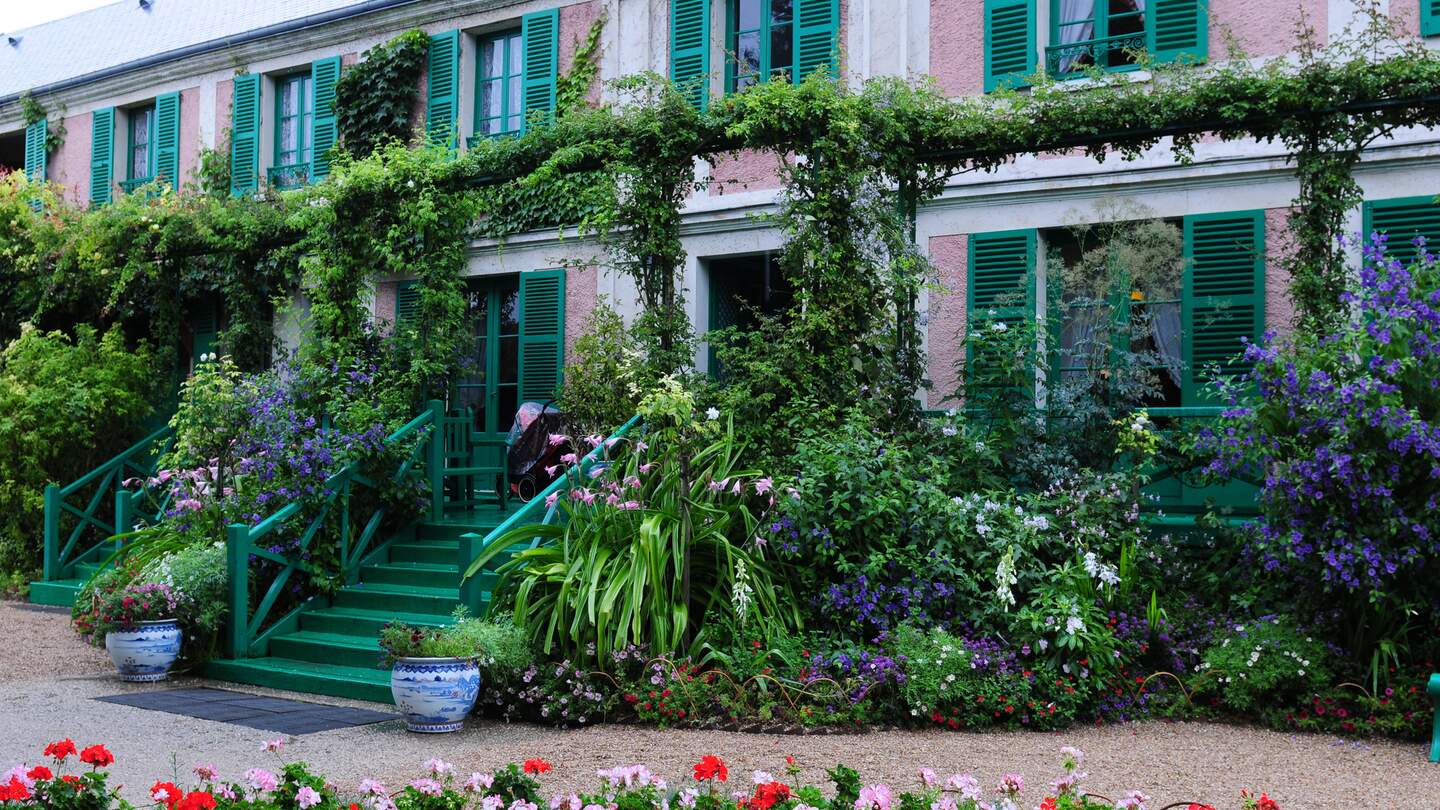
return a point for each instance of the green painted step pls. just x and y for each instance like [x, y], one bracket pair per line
[360, 622]
[360, 683]
[60, 592]
[425, 552]
[327, 648]
[428, 575]
[403, 598]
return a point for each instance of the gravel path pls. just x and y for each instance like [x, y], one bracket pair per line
[48, 679]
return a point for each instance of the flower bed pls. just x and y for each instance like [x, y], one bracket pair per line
[292, 786]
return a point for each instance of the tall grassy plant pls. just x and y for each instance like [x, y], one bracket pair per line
[659, 549]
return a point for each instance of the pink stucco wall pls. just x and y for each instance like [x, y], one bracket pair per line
[224, 91]
[69, 165]
[581, 288]
[189, 135]
[1279, 306]
[957, 46]
[385, 304]
[575, 22]
[750, 170]
[1263, 29]
[945, 324]
[1406, 14]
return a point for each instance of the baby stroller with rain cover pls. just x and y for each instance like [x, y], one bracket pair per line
[530, 450]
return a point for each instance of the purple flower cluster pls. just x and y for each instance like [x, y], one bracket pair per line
[1342, 433]
[867, 607]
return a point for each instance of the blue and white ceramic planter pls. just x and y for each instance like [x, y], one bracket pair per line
[146, 654]
[435, 694]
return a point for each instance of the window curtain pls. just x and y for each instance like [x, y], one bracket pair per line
[1165, 323]
[1073, 10]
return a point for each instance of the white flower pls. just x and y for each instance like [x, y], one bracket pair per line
[1074, 625]
[712, 413]
[999, 326]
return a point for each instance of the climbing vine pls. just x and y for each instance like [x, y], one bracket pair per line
[32, 112]
[374, 98]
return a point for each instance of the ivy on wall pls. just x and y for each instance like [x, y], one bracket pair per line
[32, 111]
[375, 98]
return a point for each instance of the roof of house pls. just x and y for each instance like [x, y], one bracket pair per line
[126, 32]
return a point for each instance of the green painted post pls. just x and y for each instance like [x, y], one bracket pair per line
[435, 465]
[237, 566]
[1433, 689]
[472, 592]
[124, 515]
[52, 532]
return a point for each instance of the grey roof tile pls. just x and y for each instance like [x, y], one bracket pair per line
[123, 32]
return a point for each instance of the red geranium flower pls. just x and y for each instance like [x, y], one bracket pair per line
[97, 756]
[769, 794]
[40, 772]
[1048, 803]
[537, 766]
[61, 749]
[197, 800]
[15, 790]
[711, 767]
[167, 793]
[1197, 806]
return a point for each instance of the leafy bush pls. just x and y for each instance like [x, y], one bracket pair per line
[600, 388]
[499, 647]
[197, 577]
[1264, 663]
[1339, 429]
[66, 405]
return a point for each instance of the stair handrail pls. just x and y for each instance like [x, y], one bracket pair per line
[246, 631]
[475, 550]
[110, 515]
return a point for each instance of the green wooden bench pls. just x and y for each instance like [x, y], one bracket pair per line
[1433, 690]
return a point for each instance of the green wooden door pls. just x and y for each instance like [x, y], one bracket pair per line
[489, 390]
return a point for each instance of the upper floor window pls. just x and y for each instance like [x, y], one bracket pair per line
[294, 121]
[760, 41]
[499, 103]
[140, 153]
[1094, 33]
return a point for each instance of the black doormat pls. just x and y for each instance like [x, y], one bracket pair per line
[251, 711]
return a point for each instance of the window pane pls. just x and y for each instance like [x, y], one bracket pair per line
[781, 48]
[509, 360]
[509, 404]
[510, 311]
[288, 92]
[516, 52]
[492, 58]
[513, 98]
[747, 14]
[747, 49]
[781, 11]
[287, 139]
[490, 99]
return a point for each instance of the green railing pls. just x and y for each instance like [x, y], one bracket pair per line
[1178, 491]
[87, 513]
[128, 186]
[475, 550]
[1072, 59]
[293, 175]
[445, 444]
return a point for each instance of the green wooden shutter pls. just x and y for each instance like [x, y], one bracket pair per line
[690, 49]
[245, 135]
[324, 73]
[1009, 42]
[1001, 277]
[1222, 295]
[542, 333]
[167, 138]
[204, 328]
[407, 302]
[1178, 30]
[36, 150]
[817, 36]
[1402, 220]
[540, 35]
[442, 103]
[1429, 18]
[102, 155]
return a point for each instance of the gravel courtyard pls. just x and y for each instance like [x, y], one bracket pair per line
[48, 680]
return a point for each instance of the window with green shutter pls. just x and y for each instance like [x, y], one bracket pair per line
[1402, 220]
[1110, 35]
[36, 150]
[407, 302]
[1222, 296]
[1429, 18]
[442, 99]
[245, 134]
[690, 49]
[999, 289]
[204, 324]
[102, 155]
[1009, 42]
[167, 139]
[294, 119]
[140, 147]
[542, 333]
[779, 39]
[324, 130]
[541, 35]
[499, 71]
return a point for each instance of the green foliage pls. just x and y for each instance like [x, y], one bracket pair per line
[600, 389]
[572, 86]
[213, 173]
[654, 551]
[1266, 662]
[66, 405]
[499, 647]
[32, 111]
[374, 99]
[196, 576]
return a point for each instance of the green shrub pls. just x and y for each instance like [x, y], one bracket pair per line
[197, 577]
[1263, 663]
[66, 405]
[600, 388]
